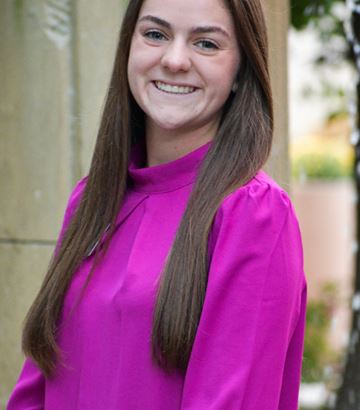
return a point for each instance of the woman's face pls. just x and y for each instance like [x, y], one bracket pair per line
[183, 62]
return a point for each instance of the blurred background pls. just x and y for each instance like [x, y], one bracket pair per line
[56, 61]
[323, 62]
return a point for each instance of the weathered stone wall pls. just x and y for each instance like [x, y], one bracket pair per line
[56, 59]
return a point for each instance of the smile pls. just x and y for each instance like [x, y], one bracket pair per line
[174, 89]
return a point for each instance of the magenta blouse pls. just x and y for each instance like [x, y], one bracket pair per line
[248, 349]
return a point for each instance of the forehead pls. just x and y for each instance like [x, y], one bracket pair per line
[189, 12]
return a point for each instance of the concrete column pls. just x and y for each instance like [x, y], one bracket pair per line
[56, 58]
[277, 16]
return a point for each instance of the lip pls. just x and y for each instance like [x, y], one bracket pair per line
[176, 84]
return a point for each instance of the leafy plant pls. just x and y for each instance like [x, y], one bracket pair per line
[321, 156]
[317, 352]
[315, 166]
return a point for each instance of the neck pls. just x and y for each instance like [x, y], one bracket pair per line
[163, 146]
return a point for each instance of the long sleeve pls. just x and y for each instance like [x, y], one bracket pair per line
[248, 347]
[29, 390]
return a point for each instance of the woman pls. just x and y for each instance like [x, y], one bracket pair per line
[177, 281]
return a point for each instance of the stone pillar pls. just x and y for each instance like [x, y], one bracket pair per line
[56, 59]
[277, 16]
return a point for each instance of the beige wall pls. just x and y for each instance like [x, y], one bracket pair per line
[327, 217]
[56, 58]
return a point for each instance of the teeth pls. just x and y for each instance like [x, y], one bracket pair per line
[174, 88]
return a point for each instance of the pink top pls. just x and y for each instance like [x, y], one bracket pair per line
[248, 348]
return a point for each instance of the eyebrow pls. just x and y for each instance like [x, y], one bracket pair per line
[194, 30]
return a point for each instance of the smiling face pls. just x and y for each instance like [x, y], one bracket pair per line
[183, 62]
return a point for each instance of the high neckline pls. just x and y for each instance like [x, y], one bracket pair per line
[165, 177]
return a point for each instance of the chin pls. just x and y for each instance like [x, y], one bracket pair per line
[172, 125]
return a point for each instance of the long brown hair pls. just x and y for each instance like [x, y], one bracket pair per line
[239, 149]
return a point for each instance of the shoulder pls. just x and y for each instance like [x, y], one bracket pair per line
[257, 211]
[74, 198]
[71, 206]
[77, 191]
[261, 194]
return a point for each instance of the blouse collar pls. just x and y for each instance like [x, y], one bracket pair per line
[164, 177]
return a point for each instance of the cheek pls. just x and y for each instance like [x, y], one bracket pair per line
[134, 70]
[221, 81]
[222, 73]
[130, 67]
[134, 62]
[141, 56]
[229, 72]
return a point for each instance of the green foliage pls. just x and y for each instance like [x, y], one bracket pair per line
[304, 11]
[328, 22]
[317, 353]
[318, 166]
[315, 342]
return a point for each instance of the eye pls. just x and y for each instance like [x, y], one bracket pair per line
[155, 35]
[207, 45]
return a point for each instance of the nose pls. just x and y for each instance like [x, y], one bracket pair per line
[176, 57]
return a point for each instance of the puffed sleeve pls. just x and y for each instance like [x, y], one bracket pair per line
[29, 390]
[248, 348]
